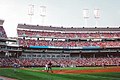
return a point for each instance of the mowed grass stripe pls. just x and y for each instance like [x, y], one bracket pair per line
[30, 75]
[20, 74]
[108, 74]
[68, 68]
[47, 76]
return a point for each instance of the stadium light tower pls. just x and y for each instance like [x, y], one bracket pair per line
[86, 15]
[97, 15]
[42, 13]
[31, 11]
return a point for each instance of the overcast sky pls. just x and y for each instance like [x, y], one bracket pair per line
[59, 13]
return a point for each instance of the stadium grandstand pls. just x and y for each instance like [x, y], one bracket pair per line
[70, 46]
[9, 47]
[36, 45]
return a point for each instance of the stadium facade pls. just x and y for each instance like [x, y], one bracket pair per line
[8, 46]
[60, 42]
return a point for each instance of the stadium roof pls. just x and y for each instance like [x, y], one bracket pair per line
[37, 27]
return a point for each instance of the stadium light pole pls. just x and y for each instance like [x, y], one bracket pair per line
[96, 16]
[86, 15]
[43, 13]
[31, 11]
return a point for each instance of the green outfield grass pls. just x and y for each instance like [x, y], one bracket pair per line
[31, 75]
[68, 68]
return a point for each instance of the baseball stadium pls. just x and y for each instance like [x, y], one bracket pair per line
[75, 53]
[59, 40]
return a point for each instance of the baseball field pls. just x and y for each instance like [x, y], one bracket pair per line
[77, 73]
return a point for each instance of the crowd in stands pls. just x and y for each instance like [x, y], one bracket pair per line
[2, 32]
[31, 42]
[67, 35]
[8, 62]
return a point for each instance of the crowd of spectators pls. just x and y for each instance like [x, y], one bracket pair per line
[33, 42]
[67, 35]
[2, 32]
[8, 62]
